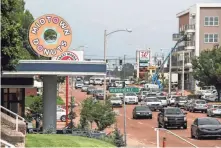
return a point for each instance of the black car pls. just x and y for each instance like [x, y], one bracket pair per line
[142, 112]
[206, 127]
[172, 117]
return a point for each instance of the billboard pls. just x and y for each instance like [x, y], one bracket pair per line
[71, 55]
[144, 58]
[50, 35]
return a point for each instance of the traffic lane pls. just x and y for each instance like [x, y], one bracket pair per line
[192, 116]
[137, 128]
[143, 129]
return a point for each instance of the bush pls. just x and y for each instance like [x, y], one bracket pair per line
[60, 101]
[118, 138]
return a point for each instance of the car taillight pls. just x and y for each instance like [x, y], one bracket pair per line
[213, 109]
[205, 106]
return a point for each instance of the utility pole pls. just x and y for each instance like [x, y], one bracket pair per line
[183, 55]
[105, 82]
[170, 66]
[124, 65]
[125, 131]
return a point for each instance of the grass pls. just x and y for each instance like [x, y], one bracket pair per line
[55, 140]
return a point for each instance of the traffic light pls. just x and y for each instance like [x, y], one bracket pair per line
[106, 61]
[123, 84]
[120, 62]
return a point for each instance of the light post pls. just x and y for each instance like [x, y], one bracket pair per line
[105, 59]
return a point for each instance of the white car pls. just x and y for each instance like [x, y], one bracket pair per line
[115, 101]
[119, 95]
[98, 82]
[153, 103]
[91, 81]
[143, 95]
[214, 110]
[171, 99]
[61, 114]
[131, 98]
[163, 100]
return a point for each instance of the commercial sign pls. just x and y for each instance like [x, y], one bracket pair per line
[50, 35]
[144, 58]
[71, 55]
[124, 90]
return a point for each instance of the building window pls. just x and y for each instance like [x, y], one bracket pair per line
[211, 38]
[211, 21]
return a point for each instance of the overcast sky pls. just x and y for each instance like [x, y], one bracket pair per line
[152, 22]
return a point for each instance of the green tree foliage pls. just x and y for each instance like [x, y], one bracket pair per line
[127, 70]
[98, 112]
[207, 68]
[15, 22]
[118, 138]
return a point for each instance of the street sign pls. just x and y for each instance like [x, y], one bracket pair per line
[124, 90]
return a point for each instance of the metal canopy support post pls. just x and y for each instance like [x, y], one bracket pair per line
[105, 82]
[170, 75]
[158, 138]
[183, 55]
[125, 132]
[67, 94]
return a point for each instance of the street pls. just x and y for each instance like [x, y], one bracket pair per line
[142, 133]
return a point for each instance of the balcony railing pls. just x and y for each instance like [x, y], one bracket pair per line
[189, 43]
[188, 27]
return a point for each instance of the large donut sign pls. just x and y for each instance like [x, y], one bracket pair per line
[50, 35]
[68, 56]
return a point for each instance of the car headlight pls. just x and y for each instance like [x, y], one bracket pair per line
[184, 118]
[165, 119]
[138, 113]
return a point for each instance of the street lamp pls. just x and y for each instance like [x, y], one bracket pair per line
[105, 59]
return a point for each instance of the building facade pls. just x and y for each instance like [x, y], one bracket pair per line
[201, 23]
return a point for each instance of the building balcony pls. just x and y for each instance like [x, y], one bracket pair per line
[189, 45]
[176, 36]
[189, 28]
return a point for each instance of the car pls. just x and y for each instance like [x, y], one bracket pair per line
[131, 98]
[171, 99]
[99, 94]
[86, 82]
[198, 105]
[214, 110]
[78, 84]
[172, 117]
[61, 114]
[119, 95]
[91, 80]
[98, 82]
[188, 104]
[90, 90]
[180, 101]
[84, 88]
[153, 103]
[206, 127]
[142, 112]
[116, 101]
[163, 100]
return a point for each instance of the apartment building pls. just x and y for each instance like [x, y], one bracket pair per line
[201, 23]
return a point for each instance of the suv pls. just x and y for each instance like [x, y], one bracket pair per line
[198, 105]
[180, 101]
[172, 117]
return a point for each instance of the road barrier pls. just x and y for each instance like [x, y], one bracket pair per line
[164, 140]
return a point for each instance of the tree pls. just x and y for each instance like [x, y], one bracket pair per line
[14, 31]
[207, 68]
[97, 112]
[127, 70]
[118, 138]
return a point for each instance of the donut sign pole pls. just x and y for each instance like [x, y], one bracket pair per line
[72, 57]
[50, 36]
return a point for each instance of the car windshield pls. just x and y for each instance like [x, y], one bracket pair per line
[208, 121]
[180, 99]
[172, 111]
[91, 87]
[162, 98]
[142, 108]
[85, 86]
[99, 91]
[115, 98]
[153, 100]
[217, 107]
[144, 92]
[201, 102]
[79, 82]
[130, 94]
[151, 95]
[97, 79]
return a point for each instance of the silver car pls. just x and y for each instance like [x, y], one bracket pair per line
[84, 88]
[198, 105]
[214, 110]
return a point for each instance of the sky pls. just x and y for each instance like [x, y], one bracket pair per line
[152, 23]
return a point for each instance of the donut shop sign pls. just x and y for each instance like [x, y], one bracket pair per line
[50, 35]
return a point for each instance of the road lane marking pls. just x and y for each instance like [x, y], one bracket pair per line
[153, 143]
[140, 122]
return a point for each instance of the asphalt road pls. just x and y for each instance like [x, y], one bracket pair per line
[143, 130]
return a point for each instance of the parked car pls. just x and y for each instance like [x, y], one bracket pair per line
[131, 98]
[91, 80]
[90, 90]
[153, 103]
[214, 110]
[180, 101]
[142, 112]
[99, 94]
[86, 82]
[112, 84]
[61, 114]
[198, 105]
[206, 127]
[116, 101]
[98, 82]
[78, 84]
[163, 100]
[172, 117]
[142, 95]
[84, 88]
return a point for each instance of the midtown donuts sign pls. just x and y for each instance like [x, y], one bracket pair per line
[50, 35]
